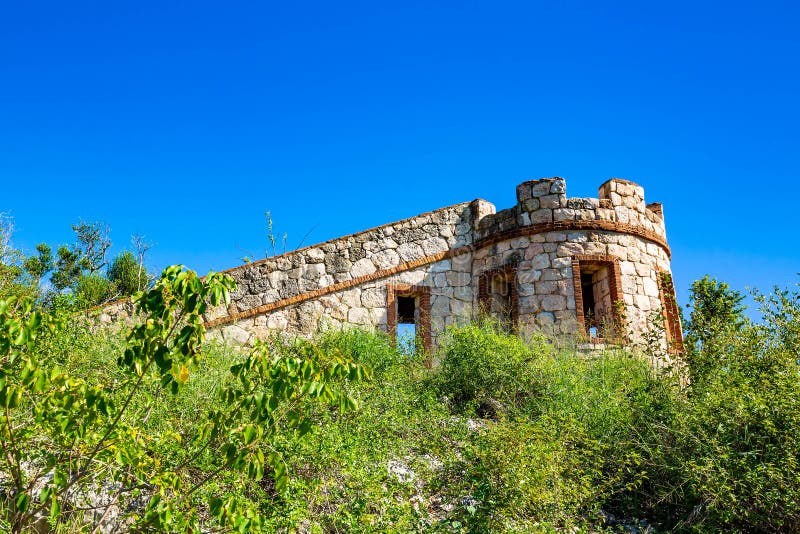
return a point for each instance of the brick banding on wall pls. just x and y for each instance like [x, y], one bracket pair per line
[608, 226]
[565, 226]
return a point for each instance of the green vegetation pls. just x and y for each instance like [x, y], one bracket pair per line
[79, 276]
[347, 433]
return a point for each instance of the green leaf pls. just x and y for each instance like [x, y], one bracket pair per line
[249, 434]
[216, 509]
[304, 427]
[55, 508]
[22, 501]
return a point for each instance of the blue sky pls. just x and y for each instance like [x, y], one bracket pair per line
[186, 121]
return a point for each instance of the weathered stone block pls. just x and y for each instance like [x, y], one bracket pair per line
[650, 287]
[362, 267]
[523, 192]
[410, 251]
[541, 216]
[554, 302]
[552, 201]
[555, 237]
[541, 261]
[520, 242]
[315, 255]
[541, 188]
[532, 204]
[385, 259]
[359, 316]
[373, 298]
[558, 186]
[458, 279]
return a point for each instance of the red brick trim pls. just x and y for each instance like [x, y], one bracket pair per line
[509, 271]
[423, 293]
[614, 283]
[302, 297]
[606, 226]
[669, 309]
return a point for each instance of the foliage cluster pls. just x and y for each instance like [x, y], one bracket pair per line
[503, 434]
[79, 275]
[80, 448]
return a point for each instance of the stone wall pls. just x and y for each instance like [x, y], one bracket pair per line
[344, 280]
[544, 248]
[545, 230]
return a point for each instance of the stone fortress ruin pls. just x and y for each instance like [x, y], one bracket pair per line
[595, 267]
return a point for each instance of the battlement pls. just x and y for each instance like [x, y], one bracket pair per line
[619, 201]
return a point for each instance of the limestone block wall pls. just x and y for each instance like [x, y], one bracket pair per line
[345, 280]
[547, 234]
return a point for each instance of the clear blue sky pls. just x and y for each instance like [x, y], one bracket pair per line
[185, 121]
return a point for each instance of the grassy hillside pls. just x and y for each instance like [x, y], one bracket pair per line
[344, 433]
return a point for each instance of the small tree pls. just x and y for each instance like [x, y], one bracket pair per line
[19, 276]
[716, 312]
[93, 244]
[141, 247]
[127, 275]
[62, 436]
[41, 264]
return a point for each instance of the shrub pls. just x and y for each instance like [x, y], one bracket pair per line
[68, 433]
[482, 362]
[93, 290]
[127, 274]
[516, 476]
[728, 460]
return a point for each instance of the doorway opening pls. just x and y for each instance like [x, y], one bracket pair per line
[497, 295]
[597, 283]
[408, 313]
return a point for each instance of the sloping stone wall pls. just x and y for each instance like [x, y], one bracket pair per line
[344, 280]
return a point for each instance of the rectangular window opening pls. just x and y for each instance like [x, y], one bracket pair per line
[406, 310]
[596, 292]
[502, 301]
[407, 316]
[497, 295]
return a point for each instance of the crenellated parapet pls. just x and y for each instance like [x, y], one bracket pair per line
[543, 205]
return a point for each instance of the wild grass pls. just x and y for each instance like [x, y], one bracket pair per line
[513, 435]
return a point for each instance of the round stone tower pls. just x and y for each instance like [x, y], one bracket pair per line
[598, 267]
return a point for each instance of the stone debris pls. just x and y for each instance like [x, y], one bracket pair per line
[401, 471]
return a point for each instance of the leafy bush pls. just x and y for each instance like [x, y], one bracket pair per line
[93, 290]
[482, 363]
[66, 436]
[516, 476]
[127, 275]
[730, 461]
